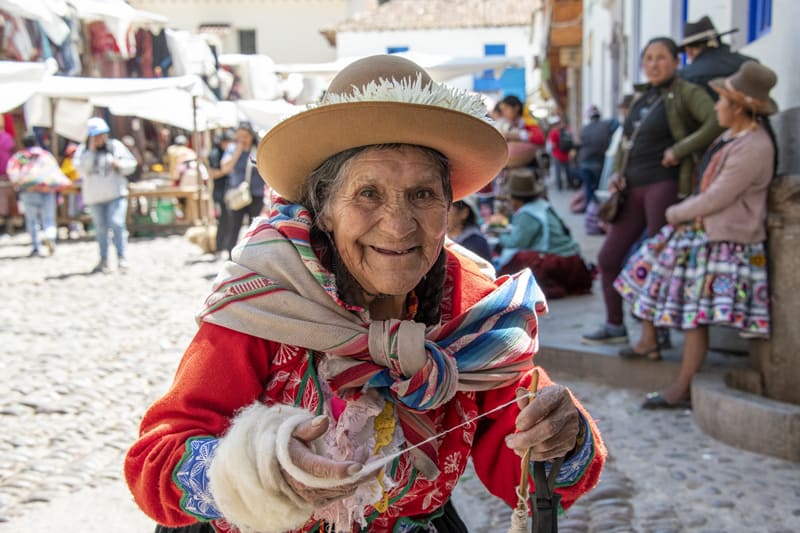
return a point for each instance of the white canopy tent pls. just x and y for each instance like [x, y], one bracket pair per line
[184, 102]
[264, 115]
[440, 67]
[19, 81]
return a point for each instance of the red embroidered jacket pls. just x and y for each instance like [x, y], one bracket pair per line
[224, 370]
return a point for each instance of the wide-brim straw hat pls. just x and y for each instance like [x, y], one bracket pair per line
[523, 182]
[749, 86]
[702, 31]
[385, 100]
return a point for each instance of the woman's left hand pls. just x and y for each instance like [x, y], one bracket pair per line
[669, 159]
[548, 425]
[672, 219]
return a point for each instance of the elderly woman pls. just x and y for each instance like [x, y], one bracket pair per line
[669, 125]
[347, 364]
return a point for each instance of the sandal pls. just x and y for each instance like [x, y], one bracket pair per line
[653, 354]
[654, 400]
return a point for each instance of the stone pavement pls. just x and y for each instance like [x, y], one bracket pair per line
[82, 356]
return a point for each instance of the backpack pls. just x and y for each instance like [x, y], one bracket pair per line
[565, 140]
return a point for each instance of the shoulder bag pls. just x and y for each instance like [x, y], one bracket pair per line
[239, 197]
[610, 209]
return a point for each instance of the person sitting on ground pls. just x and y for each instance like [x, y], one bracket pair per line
[707, 57]
[669, 123]
[37, 177]
[708, 266]
[344, 356]
[540, 240]
[463, 228]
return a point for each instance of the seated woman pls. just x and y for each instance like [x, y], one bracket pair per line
[708, 265]
[540, 240]
[463, 228]
[347, 365]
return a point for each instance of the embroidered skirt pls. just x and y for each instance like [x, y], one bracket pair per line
[681, 280]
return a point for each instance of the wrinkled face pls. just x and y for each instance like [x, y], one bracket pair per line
[389, 218]
[658, 63]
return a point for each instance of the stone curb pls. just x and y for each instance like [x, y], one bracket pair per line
[609, 370]
[746, 420]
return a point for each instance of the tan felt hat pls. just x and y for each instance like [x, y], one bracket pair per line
[383, 100]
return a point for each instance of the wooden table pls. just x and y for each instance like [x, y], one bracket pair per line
[193, 201]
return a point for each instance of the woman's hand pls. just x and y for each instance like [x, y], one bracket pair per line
[319, 466]
[672, 218]
[616, 183]
[669, 159]
[548, 425]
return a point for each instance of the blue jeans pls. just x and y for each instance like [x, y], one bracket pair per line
[111, 215]
[558, 172]
[590, 176]
[40, 207]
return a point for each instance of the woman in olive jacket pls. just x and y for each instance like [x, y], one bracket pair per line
[670, 124]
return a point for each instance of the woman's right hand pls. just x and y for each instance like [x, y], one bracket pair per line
[616, 183]
[319, 466]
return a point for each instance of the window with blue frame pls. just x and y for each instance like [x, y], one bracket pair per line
[760, 20]
[396, 49]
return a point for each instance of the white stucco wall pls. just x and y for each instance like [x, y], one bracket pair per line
[467, 42]
[597, 35]
[286, 30]
[780, 51]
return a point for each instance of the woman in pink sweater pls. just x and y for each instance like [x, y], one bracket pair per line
[708, 264]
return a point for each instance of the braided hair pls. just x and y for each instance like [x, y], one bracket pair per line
[322, 185]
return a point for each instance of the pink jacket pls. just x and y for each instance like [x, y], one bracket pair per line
[734, 207]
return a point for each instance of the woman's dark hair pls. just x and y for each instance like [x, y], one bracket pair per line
[513, 101]
[666, 41]
[764, 120]
[472, 218]
[322, 185]
[250, 131]
[29, 141]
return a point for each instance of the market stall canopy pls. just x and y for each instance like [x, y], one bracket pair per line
[440, 67]
[264, 115]
[19, 81]
[183, 101]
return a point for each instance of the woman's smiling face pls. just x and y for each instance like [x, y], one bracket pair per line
[388, 218]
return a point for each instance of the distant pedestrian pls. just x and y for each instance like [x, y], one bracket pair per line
[236, 162]
[463, 228]
[219, 182]
[104, 164]
[559, 145]
[708, 57]
[595, 137]
[37, 176]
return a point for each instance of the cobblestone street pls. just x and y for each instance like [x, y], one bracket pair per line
[83, 355]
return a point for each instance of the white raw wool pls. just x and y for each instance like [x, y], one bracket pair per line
[245, 477]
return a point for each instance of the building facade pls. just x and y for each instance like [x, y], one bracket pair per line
[288, 31]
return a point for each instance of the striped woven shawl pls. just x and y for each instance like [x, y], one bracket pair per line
[275, 288]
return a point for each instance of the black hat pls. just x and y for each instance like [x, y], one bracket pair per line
[700, 32]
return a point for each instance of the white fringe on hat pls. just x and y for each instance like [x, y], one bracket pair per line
[412, 92]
